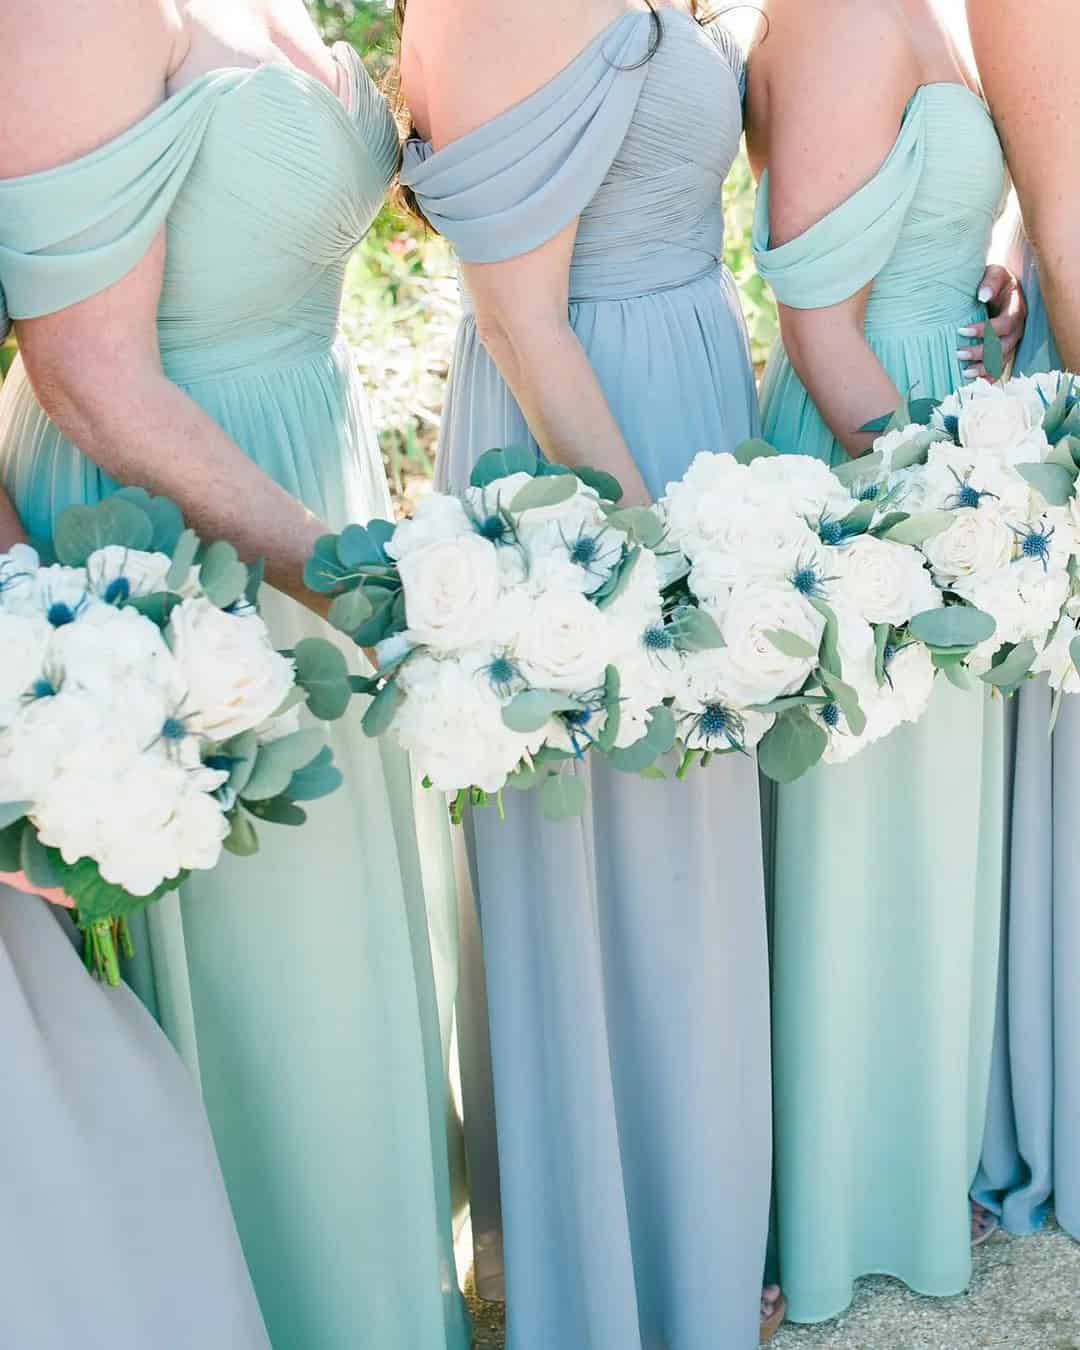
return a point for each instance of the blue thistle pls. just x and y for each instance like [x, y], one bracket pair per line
[869, 492]
[715, 724]
[43, 688]
[60, 615]
[966, 496]
[174, 729]
[658, 638]
[831, 531]
[830, 715]
[809, 581]
[1035, 544]
[118, 591]
[502, 674]
[952, 428]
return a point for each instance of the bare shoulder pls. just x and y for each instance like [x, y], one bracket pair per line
[826, 102]
[464, 64]
[78, 74]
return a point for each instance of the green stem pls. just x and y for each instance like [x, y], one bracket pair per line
[126, 944]
[499, 804]
[457, 806]
[685, 766]
[706, 759]
[108, 967]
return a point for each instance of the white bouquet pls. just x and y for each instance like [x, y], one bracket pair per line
[512, 626]
[987, 492]
[146, 719]
[808, 598]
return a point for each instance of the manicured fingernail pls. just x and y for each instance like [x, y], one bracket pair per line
[968, 332]
[970, 374]
[966, 354]
[985, 293]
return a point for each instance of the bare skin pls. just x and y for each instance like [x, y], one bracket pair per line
[1020, 48]
[78, 76]
[11, 531]
[462, 65]
[827, 93]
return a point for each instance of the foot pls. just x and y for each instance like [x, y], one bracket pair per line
[772, 1311]
[984, 1223]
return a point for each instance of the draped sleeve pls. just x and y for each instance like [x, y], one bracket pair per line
[367, 106]
[731, 51]
[70, 232]
[845, 250]
[516, 182]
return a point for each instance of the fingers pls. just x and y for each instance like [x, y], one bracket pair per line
[995, 281]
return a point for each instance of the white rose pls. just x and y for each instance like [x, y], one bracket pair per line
[991, 422]
[714, 486]
[24, 642]
[451, 723]
[143, 573]
[234, 677]
[18, 579]
[437, 518]
[709, 709]
[753, 543]
[882, 581]
[755, 670]
[450, 592]
[978, 541]
[566, 644]
[803, 485]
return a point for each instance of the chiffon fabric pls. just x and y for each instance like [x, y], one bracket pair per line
[626, 980]
[886, 872]
[300, 986]
[1031, 1154]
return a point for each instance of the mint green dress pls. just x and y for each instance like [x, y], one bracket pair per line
[299, 986]
[886, 872]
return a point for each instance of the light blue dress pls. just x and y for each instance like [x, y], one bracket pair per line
[887, 871]
[1031, 1155]
[625, 953]
[310, 989]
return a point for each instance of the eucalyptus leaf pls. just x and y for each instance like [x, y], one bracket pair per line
[277, 761]
[1009, 672]
[358, 547]
[239, 755]
[10, 813]
[1051, 481]
[792, 746]
[324, 571]
[11, 845]
[612, 691]
[1074, 652]
[524, 778]
[82, 530]
[958, 674]
[993, 356]
[496, 464]
[790, 644]
[562, 796]
[923, 409]
[960, 626]
[222, 575]
[829, 651]
[640, 523]
[242, 839]
[882, 635]
[607, 488]
[256, 577]
[166, 518]
[847, 700]
[658, 740]
[860, 517]
[606, 595]
[785, 704]
[183, 560]
[544, 492]
[278, 811]
[692, 630]
[383, 708]
[888, 522]
[316, 780]
[1063, 455]
[755, 448]
[387, 618]
[350, 610]
[157, 608]
[322, 672]
[533, 709]
[919, 528]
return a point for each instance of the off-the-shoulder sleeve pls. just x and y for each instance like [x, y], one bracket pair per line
[731, 50]
[70, 232]
[514, 183]
[845, 250]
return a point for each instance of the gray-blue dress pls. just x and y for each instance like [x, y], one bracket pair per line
[1031, 1150]
[626, 974]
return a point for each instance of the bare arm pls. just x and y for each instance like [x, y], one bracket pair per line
[460, 70]
[827, 93]
[1022, 50]
[11, 532]
[95, 366]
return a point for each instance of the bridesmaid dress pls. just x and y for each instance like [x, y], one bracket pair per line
[298, 986]
[625, 952]
[887, 871]
[1031, 1154]
[114, 1209]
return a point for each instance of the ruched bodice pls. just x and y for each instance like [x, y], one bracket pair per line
[636, 146]
[253, 274]
[330, 1124]
[919, 229]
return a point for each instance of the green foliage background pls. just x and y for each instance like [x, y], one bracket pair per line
[401, 301]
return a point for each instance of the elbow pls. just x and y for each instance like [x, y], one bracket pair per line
[521, 340]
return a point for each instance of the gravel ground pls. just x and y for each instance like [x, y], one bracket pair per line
[1025, 1295]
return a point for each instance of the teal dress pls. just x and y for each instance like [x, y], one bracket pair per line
[1031, 1153]
[887, 871]
[300, 986]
